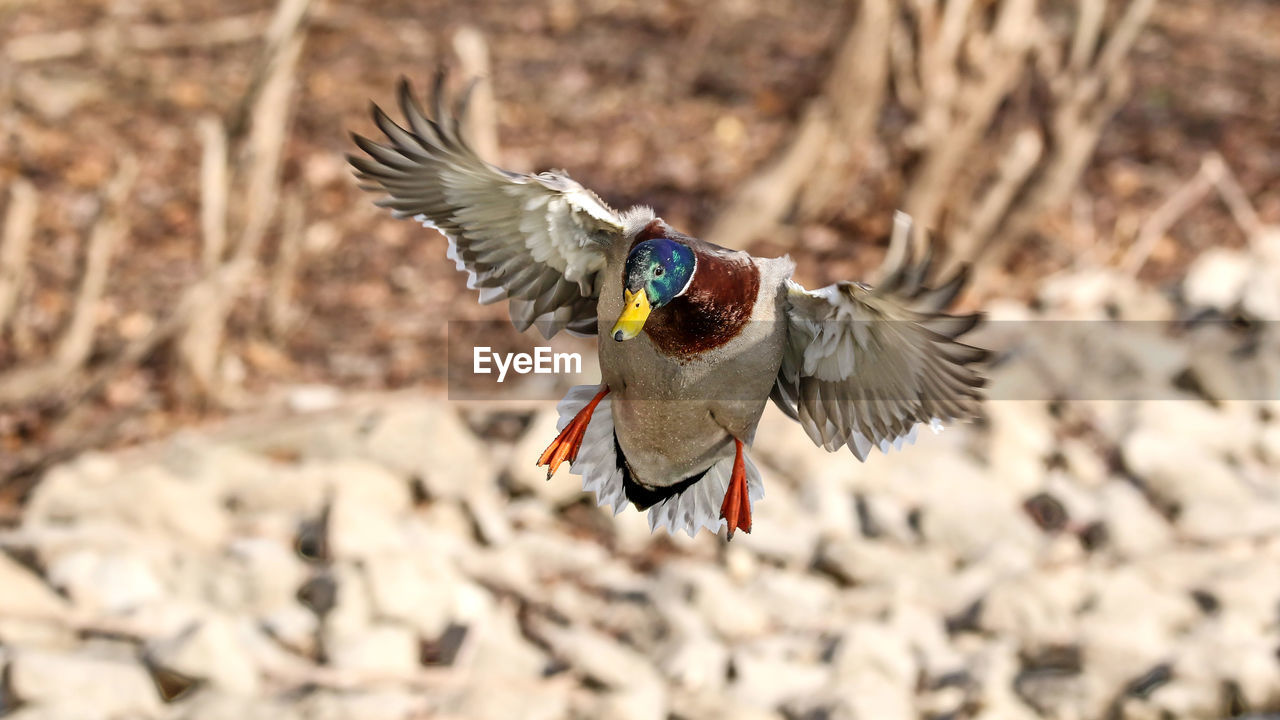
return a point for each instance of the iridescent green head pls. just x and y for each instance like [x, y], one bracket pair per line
[657, 272]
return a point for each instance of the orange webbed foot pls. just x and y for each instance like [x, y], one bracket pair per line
[736, 508]
[566, 445]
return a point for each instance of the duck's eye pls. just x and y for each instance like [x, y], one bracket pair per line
[658, 272]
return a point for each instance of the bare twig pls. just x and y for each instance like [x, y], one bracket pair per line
[19, 223]
[201, 341]
[280, 311]
[1213, 174]
[482, 121]
[213, 191]
[762, 201]
[975, 102]
[76, 342]
[63, 44]
[1015, 167]
[1169, 212]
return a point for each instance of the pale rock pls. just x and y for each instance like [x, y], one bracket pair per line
[603, 659]
[207, 704]
[57, 711]
[93, 686]
[1083, 463]
[731, 613]
[255, 485]
[20, 630]
[1247, 587]
[1080, 503]
[555, 554]
[865, 562]
[498, 650]
[1038, 609]
[25, 593]
[366, 510]
[886, 515]
[169, 615]
[1216, 520]
[211, 650]
[1186, 699]
[925, 632]
[1133, 526]
[416, 589]
[1225, 649]
[1216, 279]
[353, 604]
[1196, 426]
[380, 649]
[792, 600]
[1021, 437]
[107, 583]
[365, 705]
[147, 498]
[874, 649]
[313, 398]
[830, 507]
[294, 627]
[429, 441]
[979, 518]
[488, 510]
[503, 698]
[714, 704]
[1179, 470]
[768, 681]
[1129, 626]
[268, 572]
[1269, 445]
[642, 702]
[993, 668]
[1084, 294]
[694, 662]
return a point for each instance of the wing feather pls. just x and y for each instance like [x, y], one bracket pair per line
[865, 367]
[538, 241]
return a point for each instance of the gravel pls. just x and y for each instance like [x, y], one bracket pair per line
[376, 557]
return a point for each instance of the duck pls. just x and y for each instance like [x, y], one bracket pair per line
[694, 339]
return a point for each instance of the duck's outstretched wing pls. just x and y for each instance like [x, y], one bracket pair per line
[864, 367]
[539, 240]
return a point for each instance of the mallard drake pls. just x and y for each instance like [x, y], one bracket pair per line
[694, 339]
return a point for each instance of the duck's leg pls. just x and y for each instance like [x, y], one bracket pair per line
[565, 446]
[736, 508]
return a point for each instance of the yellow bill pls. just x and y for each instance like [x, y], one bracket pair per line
[635, 310]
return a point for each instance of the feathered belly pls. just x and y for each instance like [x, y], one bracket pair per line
[674, 418]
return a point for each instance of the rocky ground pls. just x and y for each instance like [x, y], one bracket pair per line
[400, 556]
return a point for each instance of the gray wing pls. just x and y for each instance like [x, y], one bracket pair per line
[864, 367]
[539, 240]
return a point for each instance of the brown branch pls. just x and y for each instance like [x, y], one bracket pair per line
[280, 311]
[482, 121]
[1015, 167]
[761, 202]
[213, 191]
[105, 237]
[64, 44]
[19, 225]
[201, 341]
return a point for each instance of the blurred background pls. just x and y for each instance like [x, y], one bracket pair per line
[232, 485]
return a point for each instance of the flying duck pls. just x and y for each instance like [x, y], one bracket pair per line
[694, 339]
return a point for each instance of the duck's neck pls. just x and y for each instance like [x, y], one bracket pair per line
[711, 312]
